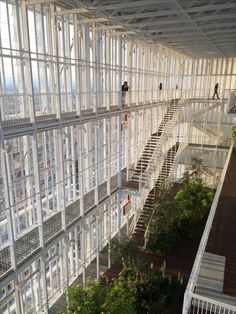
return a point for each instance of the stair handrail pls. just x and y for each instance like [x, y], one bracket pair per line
[181, 148]
[144, 193]
[174, 103]
[131, 226]
[157, 154]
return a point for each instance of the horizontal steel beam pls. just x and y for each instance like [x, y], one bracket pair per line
[126, 5]
[174, 30]
[210, 7]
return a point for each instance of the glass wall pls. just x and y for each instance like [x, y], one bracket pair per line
[68, 138]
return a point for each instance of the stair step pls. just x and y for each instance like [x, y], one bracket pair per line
[143, 165]
[146, 210]
[146, 154]
[152, 146]
[144, 216]
[139, 233]
[140, 224]
[149, 201]
[140, 228]
[149, 204]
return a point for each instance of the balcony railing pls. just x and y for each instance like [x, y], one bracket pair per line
[193, 302]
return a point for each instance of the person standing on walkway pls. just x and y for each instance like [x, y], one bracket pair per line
[216, 91]
[124, 89]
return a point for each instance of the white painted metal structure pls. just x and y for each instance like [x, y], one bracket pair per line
[197, 28]
[67, 142]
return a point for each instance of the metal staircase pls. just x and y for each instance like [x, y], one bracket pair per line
[147, 210]
[168, 115]
[144, 217]
[145, 158]
[154, 143]
[167, 165]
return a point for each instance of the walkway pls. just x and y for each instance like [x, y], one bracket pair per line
[222, 239]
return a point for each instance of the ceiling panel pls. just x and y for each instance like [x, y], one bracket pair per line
[197, 28]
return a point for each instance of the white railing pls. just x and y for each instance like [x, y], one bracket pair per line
[200, 303]
[190, 296]
[148, 177]
[143, 196]
[172, 177]
[182, 146]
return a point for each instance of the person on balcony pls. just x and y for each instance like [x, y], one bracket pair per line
[124, 89]
[216, 91]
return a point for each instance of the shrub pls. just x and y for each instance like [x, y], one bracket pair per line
[86, 299]
[194, 201]
[119, 299]
[127, 250]
[134, 292]
[180, 214]
[233, 133]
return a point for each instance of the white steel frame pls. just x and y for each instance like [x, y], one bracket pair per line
[66, 140]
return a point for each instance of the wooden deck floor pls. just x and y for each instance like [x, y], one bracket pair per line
[222, 239]
[176, 262]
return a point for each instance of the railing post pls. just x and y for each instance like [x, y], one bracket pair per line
[187, 303]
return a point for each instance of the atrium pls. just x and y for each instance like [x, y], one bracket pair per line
[80, 151]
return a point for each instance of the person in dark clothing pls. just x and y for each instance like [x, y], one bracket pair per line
[216, 91]
[160, 86]
[124, 89]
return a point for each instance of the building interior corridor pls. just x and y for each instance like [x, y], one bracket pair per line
[79, 155]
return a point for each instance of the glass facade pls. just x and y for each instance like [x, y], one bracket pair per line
[68, 141]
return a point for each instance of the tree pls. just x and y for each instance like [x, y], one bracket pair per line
[87, 299]
[135, 291]
[194, 200]
[179, 211]
[127, 250]
[162, 232]
[119, 299]
[150, 291]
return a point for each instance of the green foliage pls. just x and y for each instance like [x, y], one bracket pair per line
[194, 201]
[86, 299]
[233, 133]
[152, 291]
[119, 299]
[162, 232]
[179, 214]
[127, 250]
[134, 292]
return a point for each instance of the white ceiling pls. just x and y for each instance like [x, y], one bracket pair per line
[196, 28]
